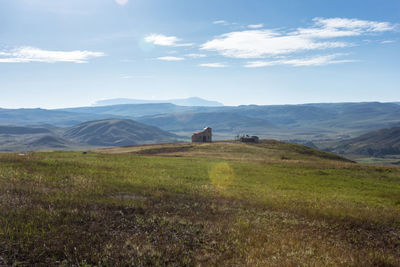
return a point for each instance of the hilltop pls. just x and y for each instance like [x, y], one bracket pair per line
[266, 151]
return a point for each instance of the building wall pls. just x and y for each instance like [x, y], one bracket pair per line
[204, 136]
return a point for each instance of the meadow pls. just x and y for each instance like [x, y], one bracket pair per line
[219, 204]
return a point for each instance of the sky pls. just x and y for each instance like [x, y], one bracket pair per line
[69, 53]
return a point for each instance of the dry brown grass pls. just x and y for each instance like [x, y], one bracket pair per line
[160, 205]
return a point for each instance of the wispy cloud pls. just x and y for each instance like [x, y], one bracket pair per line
[388, 41]
[353, 24]
[341, 27]
[121, 2]
[312, 61]
[255, 26]
[223, 22]
[163, 40]
[264, 43]
[31, 54]
[194, 55]
[213, 65]
[171, 58]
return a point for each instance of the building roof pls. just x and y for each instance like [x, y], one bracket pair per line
[202, 131]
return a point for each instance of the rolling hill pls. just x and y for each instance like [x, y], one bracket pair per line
[309, 122]
[100, 133]
[377, 144]
[220, 121]
[117, 132]
[48, 142]
[35, 142]
[39, 116]
[134, 110]
[23, 130]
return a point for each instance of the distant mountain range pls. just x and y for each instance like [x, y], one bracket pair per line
[220, 121]
[38, 116]
[191, 101]
[317, 122]
[132, 110]
[101, 133]
[307, 121]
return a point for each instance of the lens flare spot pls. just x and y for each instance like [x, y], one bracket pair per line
[222, 175]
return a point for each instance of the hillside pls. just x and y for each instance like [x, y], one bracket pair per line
[38, 116]
[23, 130]
[134, 110]
[183, 204]
[117, 132]
[111, 132]
[227, 122]
[310, 122]
[377, 143]
[47, 142]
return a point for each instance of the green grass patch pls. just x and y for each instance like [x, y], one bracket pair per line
[207, 204]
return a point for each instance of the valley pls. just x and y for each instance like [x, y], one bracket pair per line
[319, 125]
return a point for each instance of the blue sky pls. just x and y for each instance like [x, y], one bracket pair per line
[69, 53]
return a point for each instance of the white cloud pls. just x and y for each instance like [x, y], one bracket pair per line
[315, 33]
[223, 22]
[163, 40]
[353, 24]
[340, 27]
[388, 41]
[170, 58]
[213, 65]
[31, 54]
[255, 26]
[194, 55]
[263, 43]
[312, 61]
[121, 2]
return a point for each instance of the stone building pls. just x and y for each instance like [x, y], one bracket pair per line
[204, 136]
[249, 139]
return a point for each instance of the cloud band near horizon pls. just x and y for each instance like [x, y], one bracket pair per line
[27, 54]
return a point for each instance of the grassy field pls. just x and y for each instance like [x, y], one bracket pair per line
[221, 204]
[392, 160]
